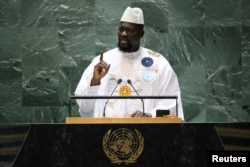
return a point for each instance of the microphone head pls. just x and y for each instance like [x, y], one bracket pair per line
[119, 81]
[129, 82]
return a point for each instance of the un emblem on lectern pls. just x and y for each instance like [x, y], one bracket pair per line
[123, 145]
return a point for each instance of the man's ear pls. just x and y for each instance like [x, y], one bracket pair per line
[142, 33]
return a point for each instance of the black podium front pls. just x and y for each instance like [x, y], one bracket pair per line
[108, 145]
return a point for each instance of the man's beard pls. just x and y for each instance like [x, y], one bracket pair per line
[124, 49]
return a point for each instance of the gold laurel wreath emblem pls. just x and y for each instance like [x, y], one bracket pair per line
[114, 159]
[125, 90]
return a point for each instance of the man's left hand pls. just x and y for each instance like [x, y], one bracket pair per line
[138, 113]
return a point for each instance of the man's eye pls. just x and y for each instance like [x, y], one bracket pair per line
[127, 30]
[130, 31]
[121, 30]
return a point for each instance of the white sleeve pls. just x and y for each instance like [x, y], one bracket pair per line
[86, 107]
[168, 85]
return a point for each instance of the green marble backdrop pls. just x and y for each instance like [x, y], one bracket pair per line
[46, 45]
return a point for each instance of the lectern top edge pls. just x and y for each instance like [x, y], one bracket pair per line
[135, 120]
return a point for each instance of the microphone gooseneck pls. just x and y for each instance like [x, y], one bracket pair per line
[130, 83]
[117, 83]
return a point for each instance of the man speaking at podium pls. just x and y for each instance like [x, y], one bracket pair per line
[129, 69]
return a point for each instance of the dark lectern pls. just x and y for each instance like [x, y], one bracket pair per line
[118, 145]
[119, 142]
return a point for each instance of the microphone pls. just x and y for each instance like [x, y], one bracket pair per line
[117, 83]
[130, 83]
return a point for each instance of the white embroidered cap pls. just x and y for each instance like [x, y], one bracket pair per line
[133, 15]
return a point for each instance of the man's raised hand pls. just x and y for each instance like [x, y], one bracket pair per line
[100, 70]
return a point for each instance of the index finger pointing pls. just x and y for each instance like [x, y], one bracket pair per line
[101, 56]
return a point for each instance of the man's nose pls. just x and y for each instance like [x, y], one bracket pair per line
[124, 33]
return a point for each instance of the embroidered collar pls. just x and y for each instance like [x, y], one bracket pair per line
[131, 55]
